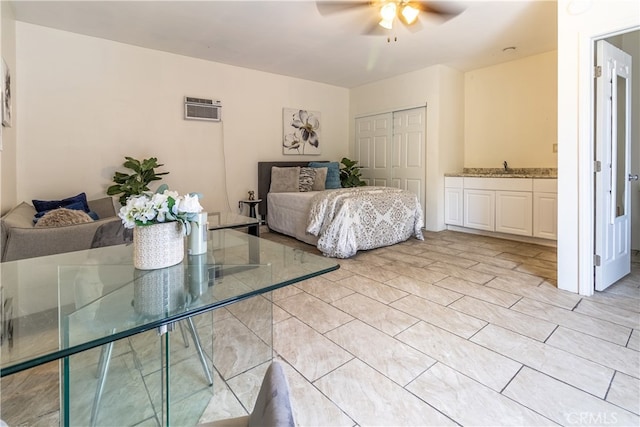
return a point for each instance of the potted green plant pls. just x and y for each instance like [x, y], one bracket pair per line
[350, 173]
[137, 182]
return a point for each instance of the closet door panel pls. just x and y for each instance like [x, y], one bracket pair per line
[390, 149]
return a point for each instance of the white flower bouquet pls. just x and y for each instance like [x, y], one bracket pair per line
[154, 208]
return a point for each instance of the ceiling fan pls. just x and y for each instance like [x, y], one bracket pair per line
[387, 12]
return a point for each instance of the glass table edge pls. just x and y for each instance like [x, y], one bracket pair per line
[60, 354]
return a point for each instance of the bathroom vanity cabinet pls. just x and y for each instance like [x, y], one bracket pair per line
[517, 206]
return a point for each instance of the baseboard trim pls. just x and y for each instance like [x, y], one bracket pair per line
[506, 236]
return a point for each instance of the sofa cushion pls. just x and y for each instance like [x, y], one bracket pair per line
[103, 207]
[63, 216]
[47, 205]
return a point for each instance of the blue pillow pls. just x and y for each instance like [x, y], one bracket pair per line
[333, 173]
[47, 205]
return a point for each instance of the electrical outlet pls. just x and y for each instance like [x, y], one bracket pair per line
[555, 147]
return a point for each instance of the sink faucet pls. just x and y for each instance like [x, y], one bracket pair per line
[506, 166]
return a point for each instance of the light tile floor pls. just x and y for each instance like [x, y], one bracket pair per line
[457, 329]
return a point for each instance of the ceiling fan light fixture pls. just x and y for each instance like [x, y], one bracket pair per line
[388, 11]
[388, 24]
[388, 14]
[410, 13]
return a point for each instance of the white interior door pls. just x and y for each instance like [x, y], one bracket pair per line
[407, 151]
[373, 146]
[613, 142]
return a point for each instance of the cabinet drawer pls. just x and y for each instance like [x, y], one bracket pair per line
[453, 182]
[545, 185]
[504, 184]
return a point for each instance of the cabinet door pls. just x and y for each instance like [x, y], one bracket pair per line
[514, 212]
[545, 215]
[479, 209]
[453, 206]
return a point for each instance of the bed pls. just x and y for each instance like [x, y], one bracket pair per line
[338, 221]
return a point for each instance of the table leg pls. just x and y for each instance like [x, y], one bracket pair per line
[254, 249]
[254, 230]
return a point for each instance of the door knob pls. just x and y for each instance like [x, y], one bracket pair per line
[633, 177]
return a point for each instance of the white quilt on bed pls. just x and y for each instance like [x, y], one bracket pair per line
[352, 219]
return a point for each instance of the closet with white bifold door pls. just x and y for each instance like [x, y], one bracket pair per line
[390, 150]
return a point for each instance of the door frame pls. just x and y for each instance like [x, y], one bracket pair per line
[586, 165]
[612, 231]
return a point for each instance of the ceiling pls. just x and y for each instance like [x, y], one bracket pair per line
[292, 38]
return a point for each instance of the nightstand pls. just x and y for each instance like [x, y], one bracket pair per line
[252, 206]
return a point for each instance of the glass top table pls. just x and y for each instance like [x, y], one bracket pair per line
[226, 220]
[59, 305]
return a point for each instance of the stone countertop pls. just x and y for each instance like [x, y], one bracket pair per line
[549, 173]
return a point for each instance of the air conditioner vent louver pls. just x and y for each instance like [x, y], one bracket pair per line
[202, 109]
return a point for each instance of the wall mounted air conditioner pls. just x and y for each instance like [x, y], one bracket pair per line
[202, 109]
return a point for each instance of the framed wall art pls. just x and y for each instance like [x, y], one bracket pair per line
[301, 132]
[6, 94]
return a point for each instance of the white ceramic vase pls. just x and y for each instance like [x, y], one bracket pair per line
[158, 245]
[160, 292]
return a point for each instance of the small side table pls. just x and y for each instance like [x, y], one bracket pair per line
[252, 206]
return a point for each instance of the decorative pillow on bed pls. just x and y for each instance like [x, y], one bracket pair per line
[319, 181]
[285, 180]
[333, 173]
[307, 178]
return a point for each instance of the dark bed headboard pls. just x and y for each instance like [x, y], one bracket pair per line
[264, 180]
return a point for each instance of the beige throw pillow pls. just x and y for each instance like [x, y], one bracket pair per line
[62, 216]
[320, 179]
[284, 180]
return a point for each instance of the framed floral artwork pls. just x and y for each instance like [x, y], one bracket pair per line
[301, 132]
[6, 94]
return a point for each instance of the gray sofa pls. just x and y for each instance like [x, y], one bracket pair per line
[20, 239]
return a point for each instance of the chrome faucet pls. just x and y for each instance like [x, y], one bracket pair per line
[506, 166]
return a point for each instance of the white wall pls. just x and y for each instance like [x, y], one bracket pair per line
[85, 103]
[511, 113]
[441, 89]
[577, 31]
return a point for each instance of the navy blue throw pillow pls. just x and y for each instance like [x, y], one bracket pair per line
[47, 205]
[333, 173]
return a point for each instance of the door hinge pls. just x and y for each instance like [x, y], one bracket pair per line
[597, 166]
[597, 71]
[596, 260]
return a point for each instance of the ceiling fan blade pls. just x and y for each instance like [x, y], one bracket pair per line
[332, 7]
[374, 29]
[444, 9]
